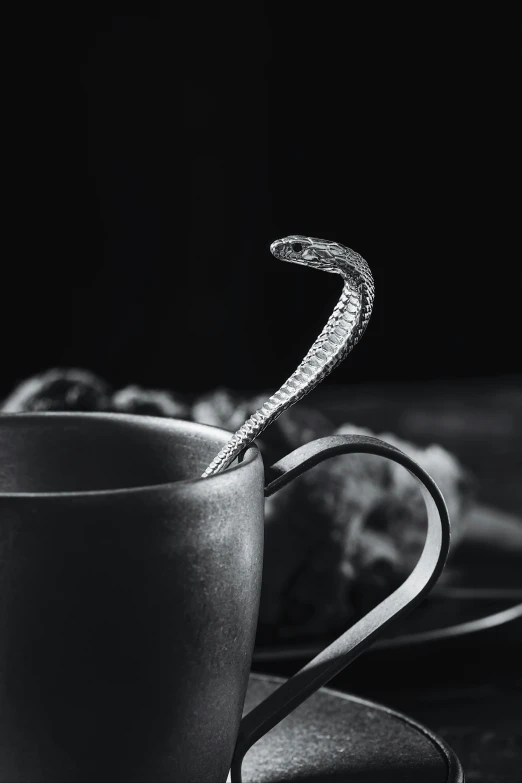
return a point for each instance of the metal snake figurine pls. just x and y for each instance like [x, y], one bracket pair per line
[342, 332]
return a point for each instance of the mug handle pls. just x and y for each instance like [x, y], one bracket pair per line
[362, 634]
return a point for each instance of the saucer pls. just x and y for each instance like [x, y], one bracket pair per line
[337, 738]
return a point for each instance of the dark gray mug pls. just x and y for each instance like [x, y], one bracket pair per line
[130, 591]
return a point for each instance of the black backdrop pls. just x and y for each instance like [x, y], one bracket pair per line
[153, 155]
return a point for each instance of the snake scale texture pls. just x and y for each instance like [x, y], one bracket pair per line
[342, 332]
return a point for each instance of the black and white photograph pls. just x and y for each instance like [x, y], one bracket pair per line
[260, 394]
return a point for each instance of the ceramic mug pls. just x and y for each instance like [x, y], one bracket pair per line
[130, 592]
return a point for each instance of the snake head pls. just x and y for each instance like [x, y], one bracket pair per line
[308, 251]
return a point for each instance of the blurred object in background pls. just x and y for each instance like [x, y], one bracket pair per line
[60, 390]
[341, 537]
[149, 402]
[73, 389]
[479, 420]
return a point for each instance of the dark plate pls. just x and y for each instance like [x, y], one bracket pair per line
[337, 737]
[480, 589]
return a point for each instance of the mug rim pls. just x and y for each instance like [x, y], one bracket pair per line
[252, 452]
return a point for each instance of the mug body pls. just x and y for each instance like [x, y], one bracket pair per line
[129, 598]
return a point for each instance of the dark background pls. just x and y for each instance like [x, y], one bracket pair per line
[153, 155]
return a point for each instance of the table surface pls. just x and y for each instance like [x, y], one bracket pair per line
[468, 690]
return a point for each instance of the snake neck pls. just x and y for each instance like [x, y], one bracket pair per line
[341, 333]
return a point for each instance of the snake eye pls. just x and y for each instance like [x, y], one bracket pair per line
[297, 247]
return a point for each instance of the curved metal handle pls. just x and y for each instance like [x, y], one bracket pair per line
[360, 636]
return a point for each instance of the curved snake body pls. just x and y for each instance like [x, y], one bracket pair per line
[342, 332]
